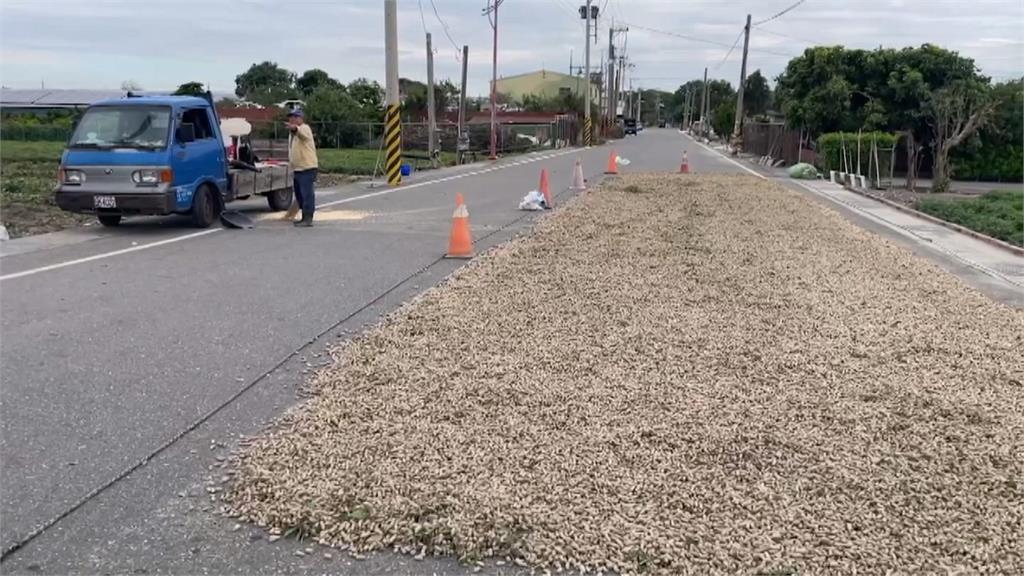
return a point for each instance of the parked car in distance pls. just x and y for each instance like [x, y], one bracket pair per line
[629, 126]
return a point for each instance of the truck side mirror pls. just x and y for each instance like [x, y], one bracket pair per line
[186, 133]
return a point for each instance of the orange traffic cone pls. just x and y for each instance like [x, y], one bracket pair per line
[613, 164]
[460, 244]
[684, 168]
[578, 183]
[544, 188]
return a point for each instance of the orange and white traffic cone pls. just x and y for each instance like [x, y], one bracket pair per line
[578, 183]
[544, 188]
[460, 243]
[613, 164]
[684, 168]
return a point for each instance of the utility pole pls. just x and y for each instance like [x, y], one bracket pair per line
[431, 110]
[463, 141]
[588, 126]
[392, 122]
[492, 14]
[704, 99]
[737, 131]
[639, 104]
[610, 111]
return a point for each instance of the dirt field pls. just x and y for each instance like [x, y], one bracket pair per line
[672, 374]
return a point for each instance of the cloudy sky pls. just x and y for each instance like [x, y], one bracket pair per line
[162, 43]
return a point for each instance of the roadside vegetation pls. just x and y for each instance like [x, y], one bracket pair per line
[999, 214]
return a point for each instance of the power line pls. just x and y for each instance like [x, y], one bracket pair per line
[705, 40]
[423, 18]
[444, 28]
[794, 5]
[791, 37]
[729, 53]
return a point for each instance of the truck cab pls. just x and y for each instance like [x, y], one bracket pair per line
[145, 155]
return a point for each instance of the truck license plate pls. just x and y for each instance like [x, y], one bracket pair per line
[104, 202]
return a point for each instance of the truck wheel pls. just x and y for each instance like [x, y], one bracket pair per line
[280, 199]
[109, 220]
[204, 207]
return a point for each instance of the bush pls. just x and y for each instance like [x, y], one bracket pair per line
[830, 150]
[999, 214]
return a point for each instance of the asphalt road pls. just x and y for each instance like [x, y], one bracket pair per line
[133, 359]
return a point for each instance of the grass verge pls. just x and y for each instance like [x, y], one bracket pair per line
[999, 214]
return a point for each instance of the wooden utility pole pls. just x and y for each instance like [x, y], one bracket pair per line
[431, 107]
[463, 142]
[492, 12]
[704, 99]
[737, 131]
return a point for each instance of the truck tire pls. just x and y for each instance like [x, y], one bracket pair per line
[204, 207]
[280, 199]
[109, 220]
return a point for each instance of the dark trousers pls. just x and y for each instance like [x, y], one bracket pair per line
[302, 183]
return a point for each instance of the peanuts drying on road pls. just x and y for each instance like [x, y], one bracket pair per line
[716, 376]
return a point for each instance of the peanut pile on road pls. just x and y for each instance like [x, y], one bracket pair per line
[672, 374]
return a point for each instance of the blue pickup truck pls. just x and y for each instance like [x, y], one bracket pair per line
[158, 155]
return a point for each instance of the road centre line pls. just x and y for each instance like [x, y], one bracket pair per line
[104, 255]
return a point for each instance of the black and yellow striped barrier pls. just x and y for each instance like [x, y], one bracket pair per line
[588, 132]
[393, 145]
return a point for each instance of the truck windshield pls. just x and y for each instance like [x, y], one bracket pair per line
[145, 127]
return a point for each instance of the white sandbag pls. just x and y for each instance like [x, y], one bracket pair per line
[534, 200]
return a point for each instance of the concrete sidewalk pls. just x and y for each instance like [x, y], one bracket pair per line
[993, 269]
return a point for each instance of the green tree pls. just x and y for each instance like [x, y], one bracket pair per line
[718, 90]
[311, 80]
[996, 152]
[757, 95]
[955, 113]
[335, 117]
[724, 118]
[370, 98]
[266, 83]
[833, 89]
[190, 89]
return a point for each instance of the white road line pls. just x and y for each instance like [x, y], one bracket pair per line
[94, 257]
[104, 255]
[727, 159]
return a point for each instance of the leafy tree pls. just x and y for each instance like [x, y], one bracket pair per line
[718, 90]
[265, 83]
[190, 89]
[370, 98]
[724, 118]
[955, 113]
[130, 86]
[313, 79]
[832, 89]
[996, 152]
[757, 95]
[335, 116]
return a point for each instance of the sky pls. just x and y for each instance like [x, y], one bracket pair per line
[160, 44]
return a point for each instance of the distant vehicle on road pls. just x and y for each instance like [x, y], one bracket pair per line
[661, 124]
[629, 126]
[158, 155]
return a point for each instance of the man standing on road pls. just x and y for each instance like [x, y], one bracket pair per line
[302, 156]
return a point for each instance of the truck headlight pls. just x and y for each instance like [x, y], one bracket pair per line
[73, 177]
[151, 177]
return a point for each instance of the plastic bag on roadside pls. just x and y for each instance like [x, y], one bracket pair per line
[534, 200]
[802, 171]
[622, 161]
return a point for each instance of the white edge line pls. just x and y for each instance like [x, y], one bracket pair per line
[727, 159]
[104, 255]
[94, 257]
